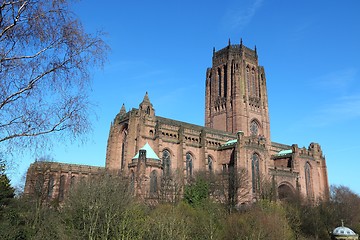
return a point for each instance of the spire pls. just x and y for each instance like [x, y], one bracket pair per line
[122, 110]
[241, 42]
[146, 98]
[146, 105]
[229, 42]
[213, 50]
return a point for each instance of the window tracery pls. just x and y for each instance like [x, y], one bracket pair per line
[255, 172]
[166, 163]
[189, 165]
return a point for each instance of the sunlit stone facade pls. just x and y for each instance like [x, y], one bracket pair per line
[151, 150]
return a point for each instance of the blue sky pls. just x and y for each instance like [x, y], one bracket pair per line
[310, 51]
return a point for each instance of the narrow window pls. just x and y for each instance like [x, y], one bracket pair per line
[253, 83]
[224, 168]
[189, 165]
[132, 181]
[254, 128]
[210, 164]
[124, 139]
[308, 179]
[219, 81]
[255, 172]
[50, 186]
[72, 181]
[225, 81]
[248, 80]
[39, 184]
[153, 182]
[166, 163]
[61, 188]
[232, 79]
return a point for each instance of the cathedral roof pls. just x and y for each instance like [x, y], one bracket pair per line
[284, 152]
[149, 152]
[230, 142]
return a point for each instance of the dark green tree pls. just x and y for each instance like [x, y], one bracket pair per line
[197, 191]
[6, 191]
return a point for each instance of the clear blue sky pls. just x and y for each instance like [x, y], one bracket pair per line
[310, 51]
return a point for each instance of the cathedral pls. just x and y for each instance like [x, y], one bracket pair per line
[159, 155]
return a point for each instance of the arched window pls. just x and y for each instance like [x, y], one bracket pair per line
[254, 128]
[132, 181]
[61, 188]
[253, 83]
[50, 186]
[255, 172]
[39, 184]
[308, 179]
[124, 138]
[225, 80]
[189, 165]
[153, 182]
[166, 163]
[248, 80]
[72, 181]
[210, 163]
[219, 81]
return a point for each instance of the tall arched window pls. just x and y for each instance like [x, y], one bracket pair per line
[189, 165]
[254, 128]
[61, 188]
[72, 181]
[132, 181]
[124, 138]
[308, 179]
[248, 80]
[255, 172]
[210, 163]
[153, 182]
[39, 184]
[166, 163]
[50, 186]
[225, 81]
[253, 83]
[219, 81]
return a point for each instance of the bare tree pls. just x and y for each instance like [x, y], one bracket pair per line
[45, 61]
[230, 187]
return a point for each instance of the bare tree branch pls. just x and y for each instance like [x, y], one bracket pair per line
[45, 63]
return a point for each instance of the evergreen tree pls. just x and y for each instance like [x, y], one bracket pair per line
[6, 191]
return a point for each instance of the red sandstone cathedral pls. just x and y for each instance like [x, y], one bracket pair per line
[149, 150]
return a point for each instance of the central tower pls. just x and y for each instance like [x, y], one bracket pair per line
[236, 96]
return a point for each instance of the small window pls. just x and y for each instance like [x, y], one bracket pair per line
[189, 165]
[210, 163]
[61, 188]
[166, 163]
[50, 186]
[153, 182]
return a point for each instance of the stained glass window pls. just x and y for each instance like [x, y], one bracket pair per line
[166, 163]
[255, 172]
[189, 164]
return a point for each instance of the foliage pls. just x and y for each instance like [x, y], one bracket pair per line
[45, 63]
[264, 220]
[197, 191]
[6, 191]
[106, 209]
[99, 208]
